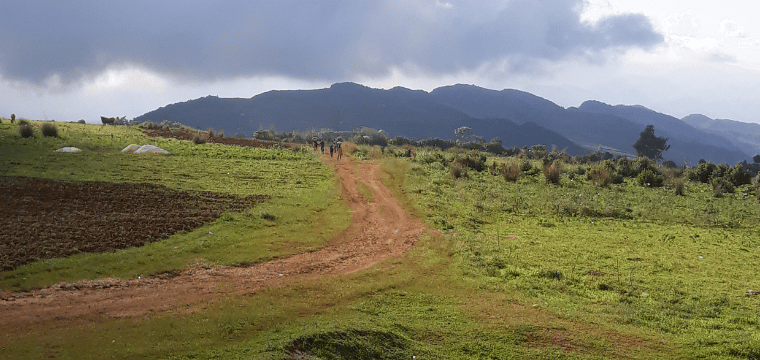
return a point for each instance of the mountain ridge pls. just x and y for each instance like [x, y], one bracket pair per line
[490, 113]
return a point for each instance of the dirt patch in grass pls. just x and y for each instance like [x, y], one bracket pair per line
[188, 134]
[48, 219]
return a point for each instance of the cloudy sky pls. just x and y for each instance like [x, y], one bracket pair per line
[70, 60]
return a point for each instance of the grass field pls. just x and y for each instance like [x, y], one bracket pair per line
[522, 269]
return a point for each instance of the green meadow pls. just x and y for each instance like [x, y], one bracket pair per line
[518, 268]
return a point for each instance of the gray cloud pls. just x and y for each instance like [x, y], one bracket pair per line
[206, 40]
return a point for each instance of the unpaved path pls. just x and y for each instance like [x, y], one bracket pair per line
[380, 229]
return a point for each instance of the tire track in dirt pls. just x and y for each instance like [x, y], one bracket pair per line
[380, 229]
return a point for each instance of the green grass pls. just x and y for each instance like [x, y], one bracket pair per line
[365, 191]
[625, 256]
[521, 269]
[305, 198]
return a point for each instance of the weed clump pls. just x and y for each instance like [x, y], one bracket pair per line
[268, 216]
[510, 172]
[650, 177]
[552, 172]
[49, 130]
[458, 170]
[25, 130]
[600, 175]
[721, 186]
[198, 139]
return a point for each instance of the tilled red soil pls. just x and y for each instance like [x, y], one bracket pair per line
[46, 219]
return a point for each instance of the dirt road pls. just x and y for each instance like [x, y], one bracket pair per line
[380, 229]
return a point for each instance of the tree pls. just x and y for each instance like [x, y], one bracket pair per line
[649, 145]
[756, 159]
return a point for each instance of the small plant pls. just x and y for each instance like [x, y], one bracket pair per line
[458, 170]
[600, 176]
[722, 186]
[25, 130]
[49, 130]
[526, 166]
[650, 177]
[198, 139]
[511, 171]
[267, 216]
[676, 183]
[552, 172]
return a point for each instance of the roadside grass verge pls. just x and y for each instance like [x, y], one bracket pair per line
[305, 199]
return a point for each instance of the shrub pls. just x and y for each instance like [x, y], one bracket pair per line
[22, 122]
[458, 170]
[721, 186]
[49, 130]
[552, 172]
[376, 152]
[650, 177]
[198, 139]
[510, 172]
[675, 183]
[738, 176]
[600, 175]
[474, 161]
[26, 130]
[268, 216]
[526, 166]
[349, 148]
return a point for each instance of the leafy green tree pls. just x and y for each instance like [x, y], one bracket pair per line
[650, 145]
[756, 159]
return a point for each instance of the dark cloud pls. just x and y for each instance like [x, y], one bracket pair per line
[204, 40]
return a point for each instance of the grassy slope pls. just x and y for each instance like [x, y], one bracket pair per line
[510, 278]
[304, 199]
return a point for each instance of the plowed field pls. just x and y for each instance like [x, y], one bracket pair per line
[46, 219]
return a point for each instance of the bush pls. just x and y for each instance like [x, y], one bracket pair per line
[510, 172]
[458, 170]
[721, 186]
[600, 175]
[26, 130]
[198, 139]
[552, 172]
[738, 176]
[676, 183]
[650, 177]
[49, 130]
[474, 161]
[526, 166]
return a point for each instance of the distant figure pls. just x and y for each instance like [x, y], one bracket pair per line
[322, 146]
[331, 149]
[13, 118]
[314, 140]
[340, 152]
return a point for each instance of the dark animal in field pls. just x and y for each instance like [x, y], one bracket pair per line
[13, 118]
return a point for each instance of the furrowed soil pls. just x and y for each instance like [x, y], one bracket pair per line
[57, 219]
[380, 229]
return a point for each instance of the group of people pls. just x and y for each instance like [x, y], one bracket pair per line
[319, 145]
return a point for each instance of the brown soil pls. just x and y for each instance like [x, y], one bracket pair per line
[380, 229]
[58, 219]
[189, 134]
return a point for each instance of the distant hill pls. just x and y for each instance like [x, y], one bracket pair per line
[743, 135]
[517, 118]
[346, 106]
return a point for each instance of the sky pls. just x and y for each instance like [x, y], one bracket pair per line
[70, 60]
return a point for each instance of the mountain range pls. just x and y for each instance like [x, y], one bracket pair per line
[517, 118]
